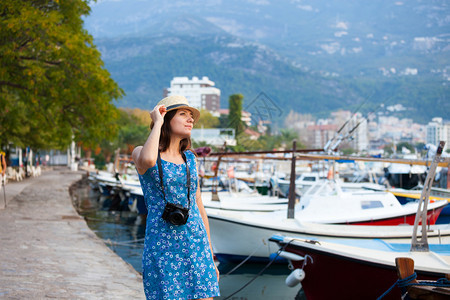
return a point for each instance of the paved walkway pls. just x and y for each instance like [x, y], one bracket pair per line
[48, 251]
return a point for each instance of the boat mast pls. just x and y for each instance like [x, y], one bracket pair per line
[422, 244]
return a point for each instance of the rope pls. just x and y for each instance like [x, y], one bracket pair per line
[242, 262]
[402, 283]
[441, 282]
[260, 272]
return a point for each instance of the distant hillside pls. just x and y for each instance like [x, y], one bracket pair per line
[144, 64]
[344, 37]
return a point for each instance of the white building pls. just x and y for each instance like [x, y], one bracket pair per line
[214, 136]
[200, 93]
[360, 139]
[438, 131]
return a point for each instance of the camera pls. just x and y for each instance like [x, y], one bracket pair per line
[175, 214]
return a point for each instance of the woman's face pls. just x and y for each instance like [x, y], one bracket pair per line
[182, 123]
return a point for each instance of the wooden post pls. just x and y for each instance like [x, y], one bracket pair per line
[291, 203]
[421, 215]
[214, 194]
[405, 267]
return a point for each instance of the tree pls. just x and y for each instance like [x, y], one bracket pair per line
[132, 132]
[388, 149]
[420, 147]
[53, 85]
[347, 151]
[142, 115]
[406, 145]
[235, 114]
[207, 120]
[286, 137]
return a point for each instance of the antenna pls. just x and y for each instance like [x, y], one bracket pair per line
[337, 134]
[349, 134]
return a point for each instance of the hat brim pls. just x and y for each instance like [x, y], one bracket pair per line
[195, 112]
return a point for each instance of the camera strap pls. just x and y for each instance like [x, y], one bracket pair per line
[188, 177]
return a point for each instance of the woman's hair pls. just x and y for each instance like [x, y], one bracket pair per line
[166, 132]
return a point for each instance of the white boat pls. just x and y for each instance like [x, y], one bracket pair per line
[106, 181]
[302, 183]
[239, 201]
[237, 235]
[329, 202]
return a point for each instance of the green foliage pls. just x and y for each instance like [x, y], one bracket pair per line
[286, 137]
[388, 149]
[223, 122]
[235, 114]
[405, 145]
[245, 142]
[348, 151]
[207, 120]
[131, 133]
[283, 140]
[52, 82]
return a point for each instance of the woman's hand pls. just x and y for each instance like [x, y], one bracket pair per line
[158, 113]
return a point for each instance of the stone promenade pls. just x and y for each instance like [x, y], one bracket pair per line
[48, 251]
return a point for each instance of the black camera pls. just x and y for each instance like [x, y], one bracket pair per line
[175, 214]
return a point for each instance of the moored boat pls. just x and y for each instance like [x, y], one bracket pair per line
[358, 269]
[236, 237]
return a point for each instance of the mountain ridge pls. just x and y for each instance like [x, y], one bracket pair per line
[143, 63]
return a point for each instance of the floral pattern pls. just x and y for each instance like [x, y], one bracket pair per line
[177, 261]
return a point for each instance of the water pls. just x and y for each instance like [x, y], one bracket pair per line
[124, 232]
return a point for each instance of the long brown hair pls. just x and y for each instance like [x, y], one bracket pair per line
[166, 132]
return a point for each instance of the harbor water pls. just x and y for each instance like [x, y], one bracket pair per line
[124, 232]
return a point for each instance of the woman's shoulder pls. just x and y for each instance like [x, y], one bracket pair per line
[190, 154]
[149, 174]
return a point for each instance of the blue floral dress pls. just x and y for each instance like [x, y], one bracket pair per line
[177, 261]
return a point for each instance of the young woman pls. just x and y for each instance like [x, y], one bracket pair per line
[178, 258]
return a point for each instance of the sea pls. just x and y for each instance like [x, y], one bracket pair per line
[124, 232]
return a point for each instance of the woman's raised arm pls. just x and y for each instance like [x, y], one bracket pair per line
[145, 157]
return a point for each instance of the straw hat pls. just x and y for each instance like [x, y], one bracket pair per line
[177, 102]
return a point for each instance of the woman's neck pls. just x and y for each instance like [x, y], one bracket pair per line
[172, 153]
[174, 147]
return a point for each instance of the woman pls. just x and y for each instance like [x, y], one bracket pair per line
[178, 258]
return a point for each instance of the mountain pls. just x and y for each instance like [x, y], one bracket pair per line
[311, 58]
[145, 65]
[347, 37]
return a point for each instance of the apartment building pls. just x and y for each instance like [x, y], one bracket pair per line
[200, 93]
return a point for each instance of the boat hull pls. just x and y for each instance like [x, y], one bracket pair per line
[432, 216]
[234, 239]
[363, 279]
